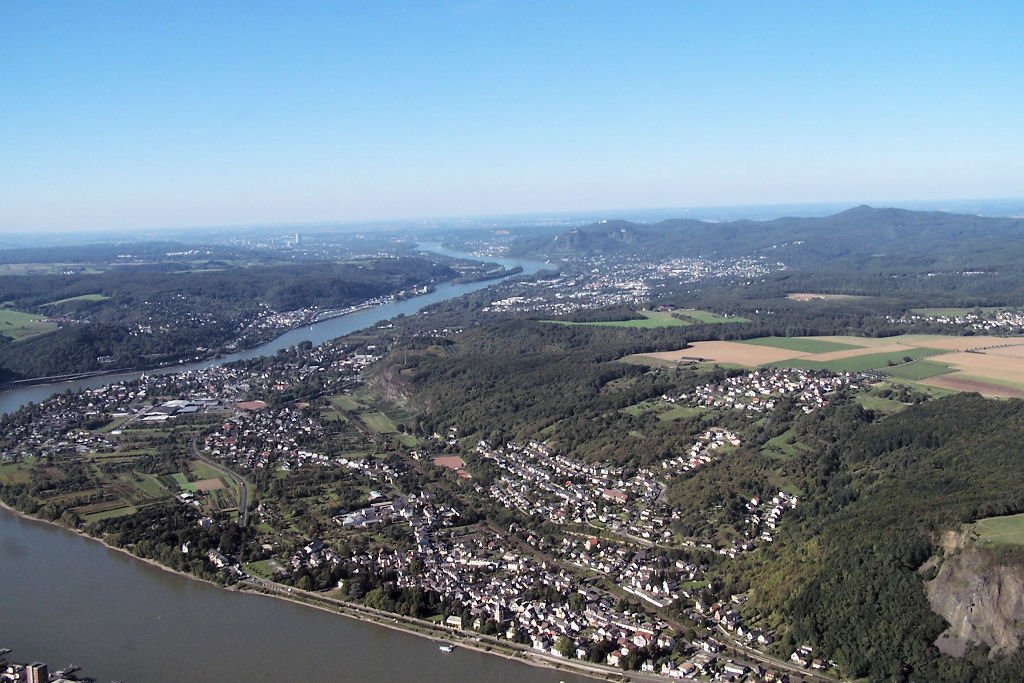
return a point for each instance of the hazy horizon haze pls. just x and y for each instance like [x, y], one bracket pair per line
[121, 116]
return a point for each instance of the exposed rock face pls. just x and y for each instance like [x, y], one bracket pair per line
[982, 600]
[389, 381]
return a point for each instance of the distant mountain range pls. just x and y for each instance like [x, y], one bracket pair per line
[865, 237]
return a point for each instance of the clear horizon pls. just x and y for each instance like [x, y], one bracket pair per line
[149, 117]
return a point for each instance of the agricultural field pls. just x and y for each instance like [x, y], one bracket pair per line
[802, 344]
[83, 297]
[379, 422]
[345, 402]
[951, 312]
[679, 412]
[986, 386]
[859, 362]
[992, 366]
[710, 318]
[15, 473]
[812, 296]
[16, 325]
[918, 370]
[1007, 530]
[650, 319]
[203, 471]
[183, 483]
[879, 404]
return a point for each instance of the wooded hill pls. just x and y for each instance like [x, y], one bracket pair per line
[865, 237]
[140, 319]
[877, 491]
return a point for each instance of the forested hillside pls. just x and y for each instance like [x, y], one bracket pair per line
[135, 319]
[880, 494]
[866, 238]
[877, 491]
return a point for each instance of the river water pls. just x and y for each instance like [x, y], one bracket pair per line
[67, 598]
[317, 333]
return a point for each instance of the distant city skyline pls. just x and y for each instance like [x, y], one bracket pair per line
[144, 116]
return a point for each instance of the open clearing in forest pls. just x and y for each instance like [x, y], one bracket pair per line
[711, 318]
[992, 366]
[683, 317]
[17, 325]
[1007, 530]
[650, 319]
[82, 297]
[811, 296]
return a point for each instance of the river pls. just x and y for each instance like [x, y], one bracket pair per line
[318, 333]
[67, 598]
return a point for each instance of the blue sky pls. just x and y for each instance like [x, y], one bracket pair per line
[151, 114]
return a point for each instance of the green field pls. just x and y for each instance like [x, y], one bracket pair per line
[639, 409]
[1001, 530]
[203, 471]
[712, 318]
[268, 569]
[879, 404]
[15, 473]
[651, 319]
[17, 325]
[149, 485]
[345, 402]
[802, 344]
[408, 440]
[83, 297]
[784, 446]
[950, 312]
[379, 422]
[183, 483]
[120, 511]
[932, 392]
[919, 369]
[678, 412]
[873, 361]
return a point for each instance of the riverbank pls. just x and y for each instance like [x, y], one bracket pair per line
[81, 533]
[355, 611]
[396, 622]
[484, 644]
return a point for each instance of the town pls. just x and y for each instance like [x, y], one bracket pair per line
[601, 282]
[594, 579]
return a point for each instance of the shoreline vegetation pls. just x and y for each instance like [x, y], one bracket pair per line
[319, 317]
[397, 622]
